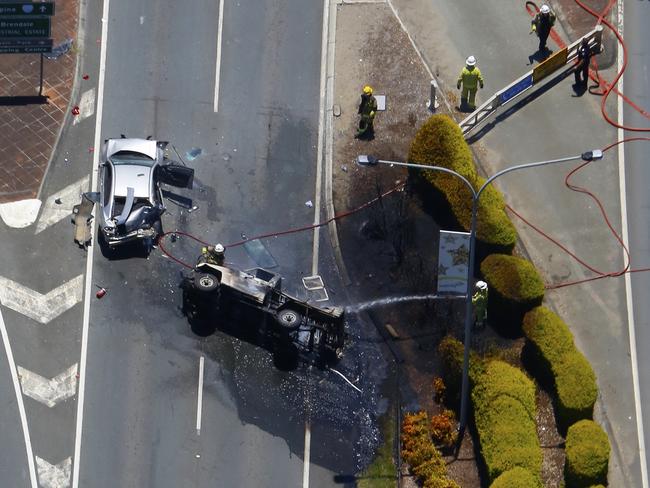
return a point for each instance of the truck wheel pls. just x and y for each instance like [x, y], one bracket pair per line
[206, 282]
[289, 319]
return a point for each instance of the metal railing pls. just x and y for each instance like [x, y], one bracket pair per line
[555, 63]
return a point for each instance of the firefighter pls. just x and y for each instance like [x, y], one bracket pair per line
[470, 77]
[582, 68]
[367, 110]
[542, 24]
[479, 303]
[214, 254]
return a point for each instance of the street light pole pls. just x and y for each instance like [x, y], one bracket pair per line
[365, 160]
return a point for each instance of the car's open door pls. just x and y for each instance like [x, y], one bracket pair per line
[176, 175]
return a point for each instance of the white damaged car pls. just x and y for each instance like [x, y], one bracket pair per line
[130, 197]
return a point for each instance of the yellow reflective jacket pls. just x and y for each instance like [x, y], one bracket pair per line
[470, 79]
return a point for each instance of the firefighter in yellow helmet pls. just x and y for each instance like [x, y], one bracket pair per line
[367, 110]
[470, 78]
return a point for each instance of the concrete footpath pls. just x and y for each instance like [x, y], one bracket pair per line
[397, 46]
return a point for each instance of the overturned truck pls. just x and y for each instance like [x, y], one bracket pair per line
[251, 305]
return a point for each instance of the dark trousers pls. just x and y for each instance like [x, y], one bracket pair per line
[582, 69]
[543, 36]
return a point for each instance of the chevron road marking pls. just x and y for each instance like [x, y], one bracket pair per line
[34, 305]
[53, 476]
[49, 392]
[53, 212]
[86, 106]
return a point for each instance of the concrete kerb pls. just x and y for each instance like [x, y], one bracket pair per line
[73, 93]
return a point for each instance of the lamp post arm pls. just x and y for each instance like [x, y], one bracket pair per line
[425, 167]
[525, 166]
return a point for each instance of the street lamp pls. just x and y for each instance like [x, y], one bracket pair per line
[366, 160]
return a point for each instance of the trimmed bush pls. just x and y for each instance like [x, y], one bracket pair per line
[419, 452]
[504, 413]
[450, 352]
[587, 455]
[443, 429]
[515, 288]
[552, 357]
[440, 142]
[517, 478]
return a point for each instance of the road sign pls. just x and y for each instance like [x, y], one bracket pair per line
[25, 46]
[27, 8]
[550, 65]
[25, 27]
[516, 89]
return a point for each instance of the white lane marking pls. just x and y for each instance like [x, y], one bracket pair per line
[20, 214]
[306, 461]
[217, 75]
[68, 197]
[37, 306]
[91, 249]
[86, 106]
[21, 403]
[49, 391]
[199, 400]
[54, 476]
[620, 135]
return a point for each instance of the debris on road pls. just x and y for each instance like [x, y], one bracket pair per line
[309, 203]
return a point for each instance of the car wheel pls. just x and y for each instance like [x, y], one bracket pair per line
[289, 319]
[206, 282]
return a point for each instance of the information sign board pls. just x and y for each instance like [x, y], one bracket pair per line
[25, 27]
[25, 46]
[453, 262]
[26, 8]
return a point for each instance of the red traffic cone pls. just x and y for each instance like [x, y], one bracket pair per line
[100, 293]
[75, 110]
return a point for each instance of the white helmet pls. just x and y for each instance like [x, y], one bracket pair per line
[470, 61]
[545, 9]
[481, 285]
[219, 248]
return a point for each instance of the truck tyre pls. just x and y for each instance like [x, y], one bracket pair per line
[289, 319]
[206, 282]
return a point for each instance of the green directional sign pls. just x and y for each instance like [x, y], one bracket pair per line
[27, 8]
[24, 27]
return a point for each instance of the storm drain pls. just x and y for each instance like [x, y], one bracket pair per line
[316, 287]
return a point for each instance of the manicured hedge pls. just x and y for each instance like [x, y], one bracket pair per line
[450, 352]
[517, 478]
[505, 413]
[515, 287]
[587, 455]
[551, 355]
[419, 452]
[440, 142]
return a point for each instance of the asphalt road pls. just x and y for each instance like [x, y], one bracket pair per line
[255, 170]
[637, 81]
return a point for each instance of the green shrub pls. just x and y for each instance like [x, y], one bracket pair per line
[552, 357]
[587, 455]
[504, 413]
[451, 352]
[515, 287]
[440, 142]
[517, 478]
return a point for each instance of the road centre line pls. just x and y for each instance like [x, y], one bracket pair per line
[218, 68]
[199, 400]
[620, 135]
[91, 247]
[20, 401]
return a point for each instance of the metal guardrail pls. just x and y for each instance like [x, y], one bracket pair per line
[553, 64]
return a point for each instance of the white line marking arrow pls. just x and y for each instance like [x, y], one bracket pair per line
[49, 392]
[53, 212]
[86, 106]
[54, 476]
[34, 305]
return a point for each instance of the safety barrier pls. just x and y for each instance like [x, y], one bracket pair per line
[560, 59]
